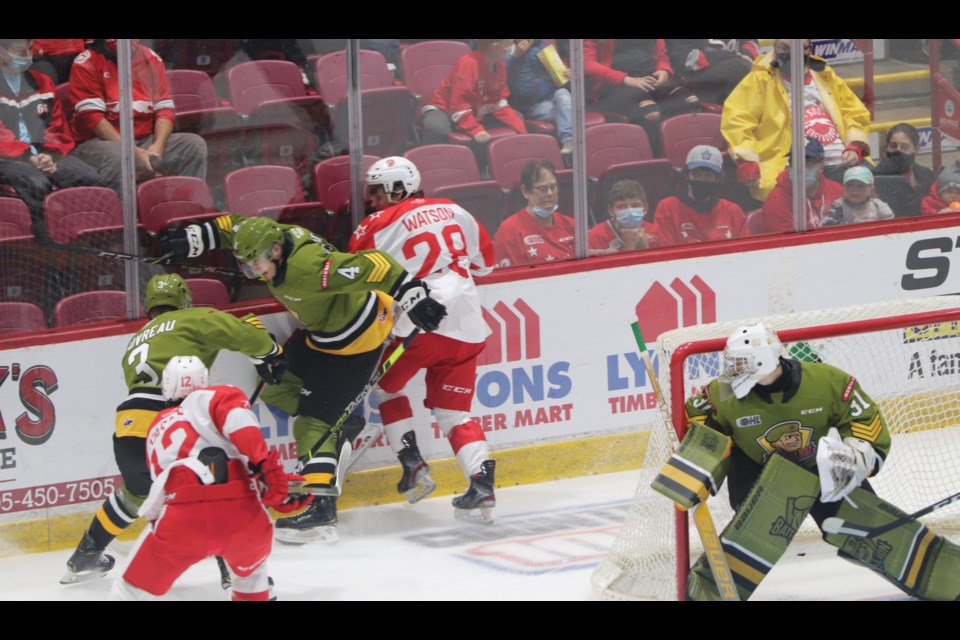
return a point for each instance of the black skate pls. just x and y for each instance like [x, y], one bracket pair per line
[316, 523]
[87, 562]
[416, 483]
[477, 502]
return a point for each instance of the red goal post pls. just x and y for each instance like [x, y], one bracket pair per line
[906, 354]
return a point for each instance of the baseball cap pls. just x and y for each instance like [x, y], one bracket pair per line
[858, 174]
[814, 150]
[706, 157]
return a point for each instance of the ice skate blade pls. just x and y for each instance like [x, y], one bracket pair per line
[424, 487]
[479, 515]
[326, 534]
[84, 576]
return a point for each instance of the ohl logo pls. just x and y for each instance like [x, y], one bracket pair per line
[515, 337]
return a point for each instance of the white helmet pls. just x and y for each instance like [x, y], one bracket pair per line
[182, 375]
[752, 353]
[394, 173]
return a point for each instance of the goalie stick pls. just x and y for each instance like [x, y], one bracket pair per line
[347, 450]
[702, 518]
[839, 525]
[46, 241]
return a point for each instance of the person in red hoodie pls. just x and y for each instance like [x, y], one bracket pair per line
[944, 196]
[95, 94]
[777, 211]
[697, 213]
[35, 139]
[473, 96]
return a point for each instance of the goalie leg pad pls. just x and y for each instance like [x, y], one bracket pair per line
[918, 561]
[761, 529]
[696, 469]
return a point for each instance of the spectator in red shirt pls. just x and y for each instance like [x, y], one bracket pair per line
[473, 96]
[95, 94]
[35, 139]
[536, 233]
[55, 57]
[623, 231]
[944, 196]
[697, 213]
[777, 210]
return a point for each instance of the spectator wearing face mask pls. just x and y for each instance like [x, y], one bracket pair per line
[473, 96]
[697, 213]
[756, 120]
[899, 158]
[538, 232]
[821, 192]
[859, 203]
[35, 138]
[95, 93]
[623, 231]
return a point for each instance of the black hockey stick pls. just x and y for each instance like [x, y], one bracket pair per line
[358, 401]
[46, 241]
[839, 525]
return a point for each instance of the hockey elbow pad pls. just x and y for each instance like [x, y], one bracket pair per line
[697, 468]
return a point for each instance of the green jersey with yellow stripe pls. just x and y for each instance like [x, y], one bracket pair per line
[817, 396]
[196, 331]
[344, 300]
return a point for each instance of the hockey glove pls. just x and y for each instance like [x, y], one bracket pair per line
[843, 465]
[275, 483]
[176, 245]
[415, 301]
[272, 366]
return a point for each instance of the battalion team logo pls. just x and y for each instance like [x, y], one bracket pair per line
[789, 438]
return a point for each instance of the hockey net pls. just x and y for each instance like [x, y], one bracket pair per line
[906, 355]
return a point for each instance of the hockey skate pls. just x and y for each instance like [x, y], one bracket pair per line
[316, 523]
[416, 483]
[321, 473]
[477, 502]
[87, 562]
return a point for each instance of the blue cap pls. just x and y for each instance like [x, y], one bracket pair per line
[814, 150]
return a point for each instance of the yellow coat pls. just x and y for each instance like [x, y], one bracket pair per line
[756, 117]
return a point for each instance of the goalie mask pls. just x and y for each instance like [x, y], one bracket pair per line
[182, 376]
[752, 353]
[394, 174]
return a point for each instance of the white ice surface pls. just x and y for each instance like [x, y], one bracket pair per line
[545, 542]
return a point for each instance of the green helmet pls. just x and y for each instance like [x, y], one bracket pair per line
[169, 290]
[255, 237]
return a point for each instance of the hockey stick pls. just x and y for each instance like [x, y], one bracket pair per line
[839, 525]
[702, 518]
[358, 401]
[46, 241]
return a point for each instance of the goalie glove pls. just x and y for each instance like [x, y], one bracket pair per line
[424, 312]
[272, 366]
[275, 485]
[843, 465]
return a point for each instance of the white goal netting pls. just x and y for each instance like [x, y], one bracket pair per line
[906, 355]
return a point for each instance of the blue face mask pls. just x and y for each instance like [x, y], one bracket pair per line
[811, 177]
[630, 218]
[544, 213]
[19, 64]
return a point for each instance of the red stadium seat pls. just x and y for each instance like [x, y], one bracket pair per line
[22, 266]
[196, 104]
[612, 145]
[425, 64]
[450, 171]
[330, 71]
[208, 292]
[16, 317]
[174, 200]
[90, 306]
[683, 132]
[331, 181]
[275, 192]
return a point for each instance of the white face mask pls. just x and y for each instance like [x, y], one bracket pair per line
[509, 53]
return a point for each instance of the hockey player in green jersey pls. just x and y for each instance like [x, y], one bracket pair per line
[175, 328]
[346, 303]
[794, 438]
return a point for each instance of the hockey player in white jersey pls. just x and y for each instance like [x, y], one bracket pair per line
[444, 246]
